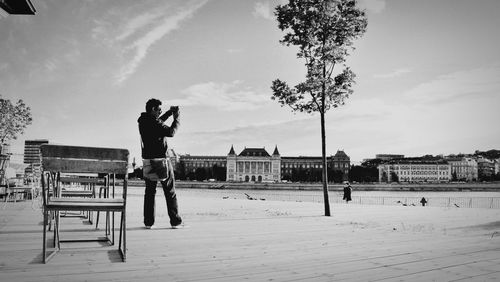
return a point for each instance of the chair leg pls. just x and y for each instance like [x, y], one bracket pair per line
[124, 236]
[57, 228]
[97, 220]
[44, 248]
[122, 244]
[113, 228]
[108, 228]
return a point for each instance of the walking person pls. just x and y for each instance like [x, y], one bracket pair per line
[156, 164]
[423, 201]
[347, 192]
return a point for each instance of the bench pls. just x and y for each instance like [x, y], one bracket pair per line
[59, 161]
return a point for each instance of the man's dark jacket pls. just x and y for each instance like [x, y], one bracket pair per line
[154, 133]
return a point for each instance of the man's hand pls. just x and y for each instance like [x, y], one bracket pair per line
[175, 111]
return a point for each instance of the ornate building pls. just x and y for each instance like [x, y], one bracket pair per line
[342, 162]
[257, 165]
[253, 164]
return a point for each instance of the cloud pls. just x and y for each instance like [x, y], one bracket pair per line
[393, 74]
[158, 28]
[218, 142]
[140, 22]
[223, 96]
[375, 6]
[476, 83]
[263, 10]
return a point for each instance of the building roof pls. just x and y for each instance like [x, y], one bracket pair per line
[418, 162]
[200, 157]
[231, 152]
[276, 153]
[340, 154]
[18, 7]
[254, 152]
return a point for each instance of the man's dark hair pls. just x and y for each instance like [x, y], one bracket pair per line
[152, 103]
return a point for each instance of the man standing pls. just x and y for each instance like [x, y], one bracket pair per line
[156, 164]
[347, 192]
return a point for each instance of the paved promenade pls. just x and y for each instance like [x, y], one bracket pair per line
[231, 239]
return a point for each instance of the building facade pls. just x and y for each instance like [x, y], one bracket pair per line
[486, 168]
[341, 162]
[415, 171]
[253, 164]
[195, 167]
[463, 169]
[257, 165]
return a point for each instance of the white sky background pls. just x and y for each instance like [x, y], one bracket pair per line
[428, 76]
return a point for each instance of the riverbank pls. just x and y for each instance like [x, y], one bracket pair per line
[436, 187]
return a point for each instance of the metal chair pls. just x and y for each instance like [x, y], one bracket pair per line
[58, 160]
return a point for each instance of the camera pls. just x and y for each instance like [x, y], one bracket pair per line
[174, 108]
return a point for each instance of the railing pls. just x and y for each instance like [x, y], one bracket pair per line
[458, 202]
[336, 197]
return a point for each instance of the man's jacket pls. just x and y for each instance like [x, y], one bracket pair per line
[154, 133]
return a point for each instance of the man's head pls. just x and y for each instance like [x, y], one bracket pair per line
[153, 107]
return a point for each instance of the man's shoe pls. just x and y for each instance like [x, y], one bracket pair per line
[148, 227]
[179, 226]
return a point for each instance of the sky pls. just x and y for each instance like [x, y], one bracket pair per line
[427, 77]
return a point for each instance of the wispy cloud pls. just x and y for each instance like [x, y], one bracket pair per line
[232, 96]
[476, 83]
[151, 27]
[393, 74]
[141, 22]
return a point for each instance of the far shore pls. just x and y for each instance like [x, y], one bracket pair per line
[441, 187]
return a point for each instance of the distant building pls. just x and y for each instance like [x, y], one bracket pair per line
[415, 171]
[388, 157]
[486, 168]
[253, 164]
[257, 165]
[342, 162]
[289, 164]
[193, 164]
[463, 168]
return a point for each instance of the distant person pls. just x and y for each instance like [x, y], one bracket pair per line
[423, 202]
[347, 192]
[156, 163]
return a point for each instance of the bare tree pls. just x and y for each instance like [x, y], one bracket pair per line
[324, 31]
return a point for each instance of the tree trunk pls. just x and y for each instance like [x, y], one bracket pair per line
[325, 167]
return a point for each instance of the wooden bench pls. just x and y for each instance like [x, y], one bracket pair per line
[58, 160]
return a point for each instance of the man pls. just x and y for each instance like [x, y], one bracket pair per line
[347, 192]
[156, 164]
